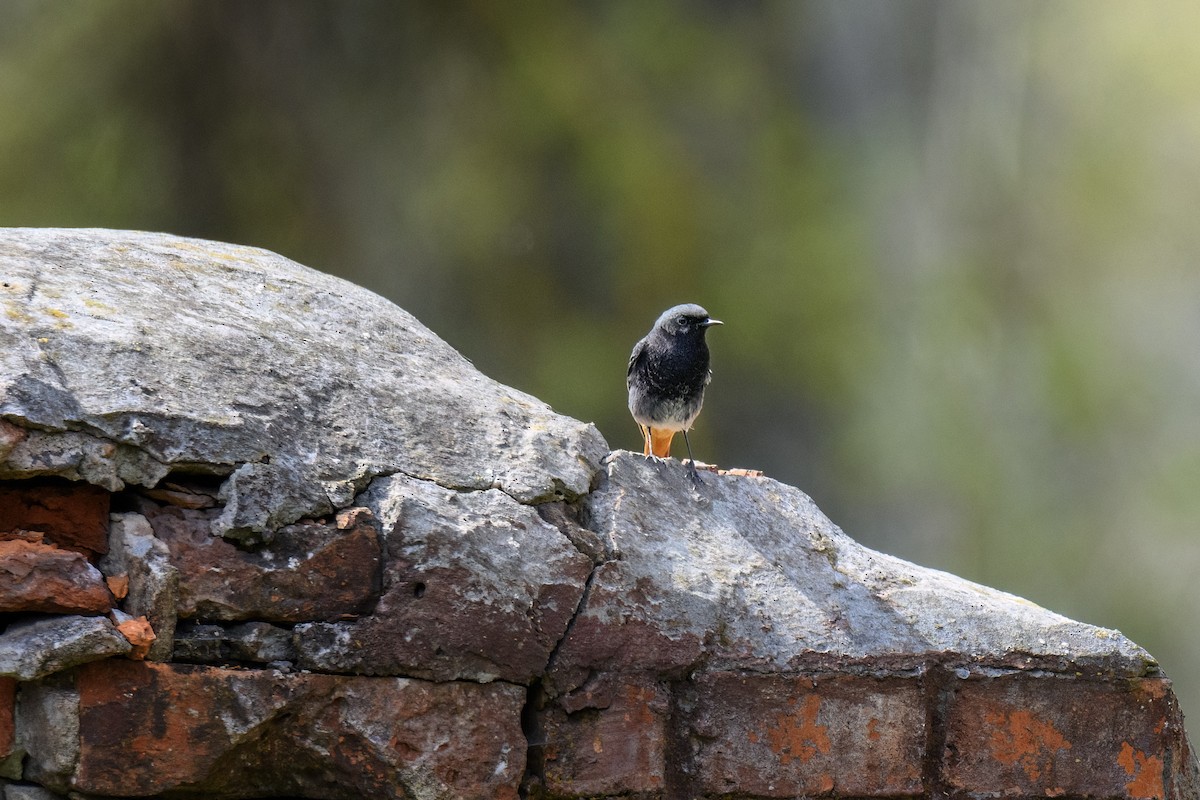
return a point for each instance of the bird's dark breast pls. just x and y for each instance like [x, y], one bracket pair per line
[670, 386]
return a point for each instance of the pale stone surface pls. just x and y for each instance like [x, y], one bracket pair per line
[128, 354]
[32, 650]
[48, 730]
[747, 573]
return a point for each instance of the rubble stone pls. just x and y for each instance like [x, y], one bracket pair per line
[47, 726]
[31, 650]
[153, 582]
[43, 578]
[255, 642]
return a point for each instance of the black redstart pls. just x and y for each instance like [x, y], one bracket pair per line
[668, 371]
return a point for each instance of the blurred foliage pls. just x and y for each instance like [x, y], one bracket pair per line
[954, 243]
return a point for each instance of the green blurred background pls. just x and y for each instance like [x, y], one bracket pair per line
[955, 243]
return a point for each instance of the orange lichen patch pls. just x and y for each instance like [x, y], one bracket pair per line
[638, 699]
[873, 730]
[798, 736]
[140, 635]
[1023, 739]
[118, 585]
[1153, 688]
[740, 472]
[1146, 772]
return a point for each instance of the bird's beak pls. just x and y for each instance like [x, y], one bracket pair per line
[708, 322]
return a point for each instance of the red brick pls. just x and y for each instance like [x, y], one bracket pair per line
[309, 571]
[607, 738]
[42, 578]
[1048, 736]
[8, 701]
[147, 728]
[780, 736]
[72, 515]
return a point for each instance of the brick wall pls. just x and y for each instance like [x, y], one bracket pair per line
[245, 726]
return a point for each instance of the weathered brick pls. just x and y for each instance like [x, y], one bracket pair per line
[608, 737]
[8, 700]
[72, 515]
[309, 571]
[146, 728]
[788, 736]
[1047, 736]
[42, 578]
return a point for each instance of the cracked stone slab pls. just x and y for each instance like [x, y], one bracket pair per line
[476, 586]
[747, 573]
[299, 386]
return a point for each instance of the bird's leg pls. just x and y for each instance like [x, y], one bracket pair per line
[691, 461]
[645, 439]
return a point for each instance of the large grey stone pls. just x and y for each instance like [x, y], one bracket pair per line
[746, 573]
[47, 727]
[475, 586]
[34, 649]
[130, 354]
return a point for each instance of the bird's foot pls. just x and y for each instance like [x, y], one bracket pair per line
[694, 474]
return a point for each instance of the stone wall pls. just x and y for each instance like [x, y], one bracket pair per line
[262, 534]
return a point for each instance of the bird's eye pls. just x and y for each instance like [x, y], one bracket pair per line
[681, 321]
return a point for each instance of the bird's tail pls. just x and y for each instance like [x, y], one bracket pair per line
[660, 442]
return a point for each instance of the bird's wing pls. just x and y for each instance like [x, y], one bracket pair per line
[639, 352]
[708, 378]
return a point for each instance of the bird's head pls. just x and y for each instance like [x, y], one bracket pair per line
[688, 319]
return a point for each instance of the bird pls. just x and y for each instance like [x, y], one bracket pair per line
[668, 372]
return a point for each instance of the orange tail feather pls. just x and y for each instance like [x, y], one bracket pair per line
[660, 442]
